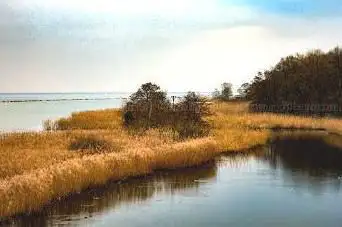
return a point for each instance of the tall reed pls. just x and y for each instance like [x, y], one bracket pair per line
[36, 168]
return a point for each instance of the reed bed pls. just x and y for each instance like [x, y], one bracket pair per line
[29, 191]
[36, 168]
[103, 119]
[236, 115]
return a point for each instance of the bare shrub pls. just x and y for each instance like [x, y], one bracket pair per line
[49, 125]
[90, 143]
[149, 108]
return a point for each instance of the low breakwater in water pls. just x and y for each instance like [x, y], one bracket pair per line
[56, 100]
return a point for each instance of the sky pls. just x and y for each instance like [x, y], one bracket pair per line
[182, 45]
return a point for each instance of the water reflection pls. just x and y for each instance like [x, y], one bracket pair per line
[310, 161]
[254, 185]
[100, 200]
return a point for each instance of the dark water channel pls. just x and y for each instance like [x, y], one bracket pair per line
[292, 182]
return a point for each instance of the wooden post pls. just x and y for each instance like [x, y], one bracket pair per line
[173, 116]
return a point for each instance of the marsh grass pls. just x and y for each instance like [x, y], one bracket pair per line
[89, 120]
[38, 167]
[236, 115]
[91, 144]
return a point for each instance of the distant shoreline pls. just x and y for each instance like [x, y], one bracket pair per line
[56, 100]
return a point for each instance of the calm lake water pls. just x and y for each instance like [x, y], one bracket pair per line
[26, 112]
[285, 184]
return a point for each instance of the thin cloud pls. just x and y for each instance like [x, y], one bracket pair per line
[183, 45]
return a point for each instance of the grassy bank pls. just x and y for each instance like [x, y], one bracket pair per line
[92, 147]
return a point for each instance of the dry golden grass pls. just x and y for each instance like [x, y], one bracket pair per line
[38, 167]
[235, 115]
[23, 152]
[102, 119]
[32, 189]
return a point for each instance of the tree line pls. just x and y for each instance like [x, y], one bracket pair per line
[301, 79]
[311, 78]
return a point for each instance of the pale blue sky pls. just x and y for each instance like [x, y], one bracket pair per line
[115, 45]
[302, 8]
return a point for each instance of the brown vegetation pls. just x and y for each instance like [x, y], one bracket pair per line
[38, 167]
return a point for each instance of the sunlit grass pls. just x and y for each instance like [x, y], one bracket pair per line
[236, 115]
[38, 167]
[102, 119]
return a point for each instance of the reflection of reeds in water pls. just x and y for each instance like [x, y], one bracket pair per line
[313, 159]
[38, 167]
[234, 161]
[310, 151]
[238, 159]
[113, 195]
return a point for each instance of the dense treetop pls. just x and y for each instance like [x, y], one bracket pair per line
[311, 78]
